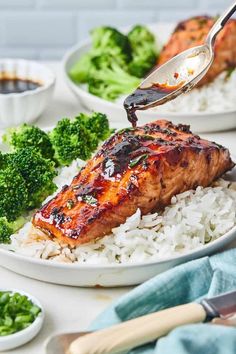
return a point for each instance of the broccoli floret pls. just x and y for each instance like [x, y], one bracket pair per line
[2, 160]
[139, 36]
[37, 172]
[141, 65]
[8, 228]
[143, 49]
[71, 140]
[105, 41]
[115, 62]
[97, 124]
[5, 231]
[109, 40]
[80, 71]
[29, 136]
[111, 80]
[13, 192]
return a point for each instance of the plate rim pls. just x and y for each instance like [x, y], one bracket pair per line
[231, 234]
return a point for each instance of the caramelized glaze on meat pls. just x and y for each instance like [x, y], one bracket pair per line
[193, 32]
[139, 167]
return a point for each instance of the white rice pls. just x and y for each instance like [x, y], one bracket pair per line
[218, 96]
[193, 219]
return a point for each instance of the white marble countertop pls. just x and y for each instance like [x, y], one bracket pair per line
[71, 308]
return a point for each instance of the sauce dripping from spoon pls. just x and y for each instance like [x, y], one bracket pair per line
[146, 95]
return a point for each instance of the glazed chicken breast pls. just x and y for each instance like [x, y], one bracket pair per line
[193, 32]
[140, 167]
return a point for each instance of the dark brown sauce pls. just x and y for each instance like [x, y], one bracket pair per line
[15, 85]
[145, 96]
[118, 158]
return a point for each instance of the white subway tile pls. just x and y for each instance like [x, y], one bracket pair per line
[2, 32]
[17, 4]
[90, 20]
[217, 4]
[156, 4]
[52, 54]
[76, 4]
[45, 28]
[40, 29]
[176, 16]
[25, 53]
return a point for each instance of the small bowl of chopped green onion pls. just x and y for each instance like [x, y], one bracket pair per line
[21, 318]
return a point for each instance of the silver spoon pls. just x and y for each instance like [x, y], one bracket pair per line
[178, 75]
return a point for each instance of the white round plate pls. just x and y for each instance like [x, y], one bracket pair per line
[86, 275]
[19, 338]
[199, 122]
[107, 275]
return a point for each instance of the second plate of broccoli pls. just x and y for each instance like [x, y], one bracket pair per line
[116, 63]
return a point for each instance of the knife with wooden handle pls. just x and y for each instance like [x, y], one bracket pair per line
[139, 331]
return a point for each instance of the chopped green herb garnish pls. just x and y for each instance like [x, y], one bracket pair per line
[16, 312]
[138, 159]
[229, 72]
[202, 21]
[70, 203]
[125, 130]
[147, 137]
[89, 199]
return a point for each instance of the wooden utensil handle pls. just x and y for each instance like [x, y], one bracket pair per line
[141, 330]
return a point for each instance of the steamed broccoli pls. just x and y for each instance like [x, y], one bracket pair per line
[37, 174]
[97, 124]
[143, 49]
[108, 40]
[26, 179]
[80, 71]
[5, 230]
[113, 65]
[13, 192]
[71, 140]
[8, 228]
[29, 136]
[105, 40]
[110, 80]
[2, 160]
[140, 36]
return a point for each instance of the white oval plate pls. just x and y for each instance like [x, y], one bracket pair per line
[107, 275]
[199, 122]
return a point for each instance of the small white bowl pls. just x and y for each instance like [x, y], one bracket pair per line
[25, 107]
[19, 338]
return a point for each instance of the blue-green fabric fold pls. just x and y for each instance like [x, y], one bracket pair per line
[189, 282]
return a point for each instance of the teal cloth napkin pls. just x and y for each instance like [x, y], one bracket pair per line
[204, 277]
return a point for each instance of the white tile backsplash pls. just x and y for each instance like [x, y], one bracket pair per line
[89, 20]
[44, 29]
[17, 4]
[156, 4]
[69, 5]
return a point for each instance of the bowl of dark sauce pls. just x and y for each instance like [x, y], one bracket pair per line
[25, 89]
[16, 85]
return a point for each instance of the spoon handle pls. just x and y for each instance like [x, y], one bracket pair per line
[219, 24]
